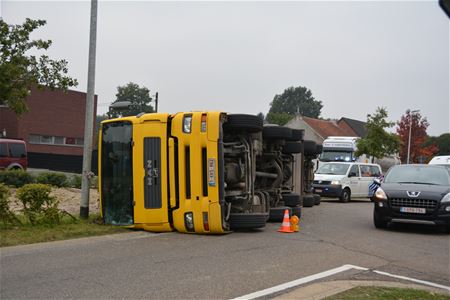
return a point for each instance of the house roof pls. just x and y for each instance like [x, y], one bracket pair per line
[328, 128]
[358, 127]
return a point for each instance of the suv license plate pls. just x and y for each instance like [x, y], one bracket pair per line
[414, 210]
[318, 190]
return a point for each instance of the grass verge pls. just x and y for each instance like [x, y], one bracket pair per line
[385, 293]
[68, 229]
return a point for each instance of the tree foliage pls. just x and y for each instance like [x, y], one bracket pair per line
[294, 100]
[138, 96]
[442, 142]
[20, 71]
[378, 142]
[419, 152]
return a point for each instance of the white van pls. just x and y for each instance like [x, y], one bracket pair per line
[344, 180]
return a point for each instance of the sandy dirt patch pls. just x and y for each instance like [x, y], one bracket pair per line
[69, 200]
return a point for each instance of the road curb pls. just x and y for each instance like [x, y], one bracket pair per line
[322, 290]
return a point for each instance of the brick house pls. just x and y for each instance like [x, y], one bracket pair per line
[53, 128]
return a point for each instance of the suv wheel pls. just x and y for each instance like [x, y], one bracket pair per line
[379, 221]
[345, 195]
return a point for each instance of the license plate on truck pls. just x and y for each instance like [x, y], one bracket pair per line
[413, 210]
[318, 190]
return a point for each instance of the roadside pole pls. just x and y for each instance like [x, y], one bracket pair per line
[89, 120]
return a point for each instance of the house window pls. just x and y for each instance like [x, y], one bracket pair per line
[55, 140]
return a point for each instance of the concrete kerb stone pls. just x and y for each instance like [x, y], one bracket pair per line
[325, 289]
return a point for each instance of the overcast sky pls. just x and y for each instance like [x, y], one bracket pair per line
[235, 56]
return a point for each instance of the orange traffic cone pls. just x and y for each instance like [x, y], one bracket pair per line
[294, 223]
[286, 225]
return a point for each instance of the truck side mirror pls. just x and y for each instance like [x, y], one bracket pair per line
[352, 174]
[377, 181]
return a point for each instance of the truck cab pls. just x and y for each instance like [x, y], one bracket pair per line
[189, 172]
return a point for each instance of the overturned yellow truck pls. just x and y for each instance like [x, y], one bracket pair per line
[198, 172]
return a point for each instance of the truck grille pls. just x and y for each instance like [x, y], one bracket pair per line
[406, 202]
[321, 182]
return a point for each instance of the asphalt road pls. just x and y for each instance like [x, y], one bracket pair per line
[173, 265]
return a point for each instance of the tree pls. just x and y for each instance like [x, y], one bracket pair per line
[138, 96]
[442, 142]
[378, 143]
[20, 71]
[419, 152]
[294, 100]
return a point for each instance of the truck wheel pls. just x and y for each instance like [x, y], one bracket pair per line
[277, 213]
[247, 220]
[316, 199]
[319, 149]
[309, 147]
[277, 132]
[297, 211]
[308, 200]
[250, 123]
[292, 148]
[297, 135]
[378, 221]
[291, 199]
[345, 195]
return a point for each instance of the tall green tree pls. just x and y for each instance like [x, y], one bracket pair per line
[294, 100]
[20, 71]
[138, 96]
[378, 142]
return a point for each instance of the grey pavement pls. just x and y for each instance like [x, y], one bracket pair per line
[174, 265]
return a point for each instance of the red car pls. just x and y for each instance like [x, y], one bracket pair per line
[13, 154]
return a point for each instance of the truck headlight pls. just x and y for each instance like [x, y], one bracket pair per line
[380, 195]
[446, 198]
[336, 182]
[187, 122]
[189, 221]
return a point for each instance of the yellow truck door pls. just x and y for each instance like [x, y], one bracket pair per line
[151, 176]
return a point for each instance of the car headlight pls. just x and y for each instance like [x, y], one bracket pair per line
[446, 198]
[335, 182]
[380, 195]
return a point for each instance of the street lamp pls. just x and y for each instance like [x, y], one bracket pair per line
[409, 137]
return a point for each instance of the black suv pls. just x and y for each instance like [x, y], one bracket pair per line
[414, 194]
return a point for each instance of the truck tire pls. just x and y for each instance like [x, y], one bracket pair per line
[345, 195]
[297, 135]
[297, 211]
[277, 132]
[316, 199]
[247, 220]
[240, 122]
[319, 149]
[308, 200]
[292, 148]
[291, 199]
[309, 147]
[277, 213]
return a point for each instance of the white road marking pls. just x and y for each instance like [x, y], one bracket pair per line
[300, 281]
[414, 280]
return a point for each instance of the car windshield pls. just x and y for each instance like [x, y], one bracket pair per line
[334, 169]
[418, 175]
[336, 156]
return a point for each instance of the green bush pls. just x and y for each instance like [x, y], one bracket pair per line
[6, 215]
[15, 178]
[54, 179]
[75, 182]
[38, 206]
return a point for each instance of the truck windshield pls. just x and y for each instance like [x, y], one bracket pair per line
[116, 173]
[333, 169]
[335, 156]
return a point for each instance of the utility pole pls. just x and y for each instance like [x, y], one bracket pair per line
[89, 120]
